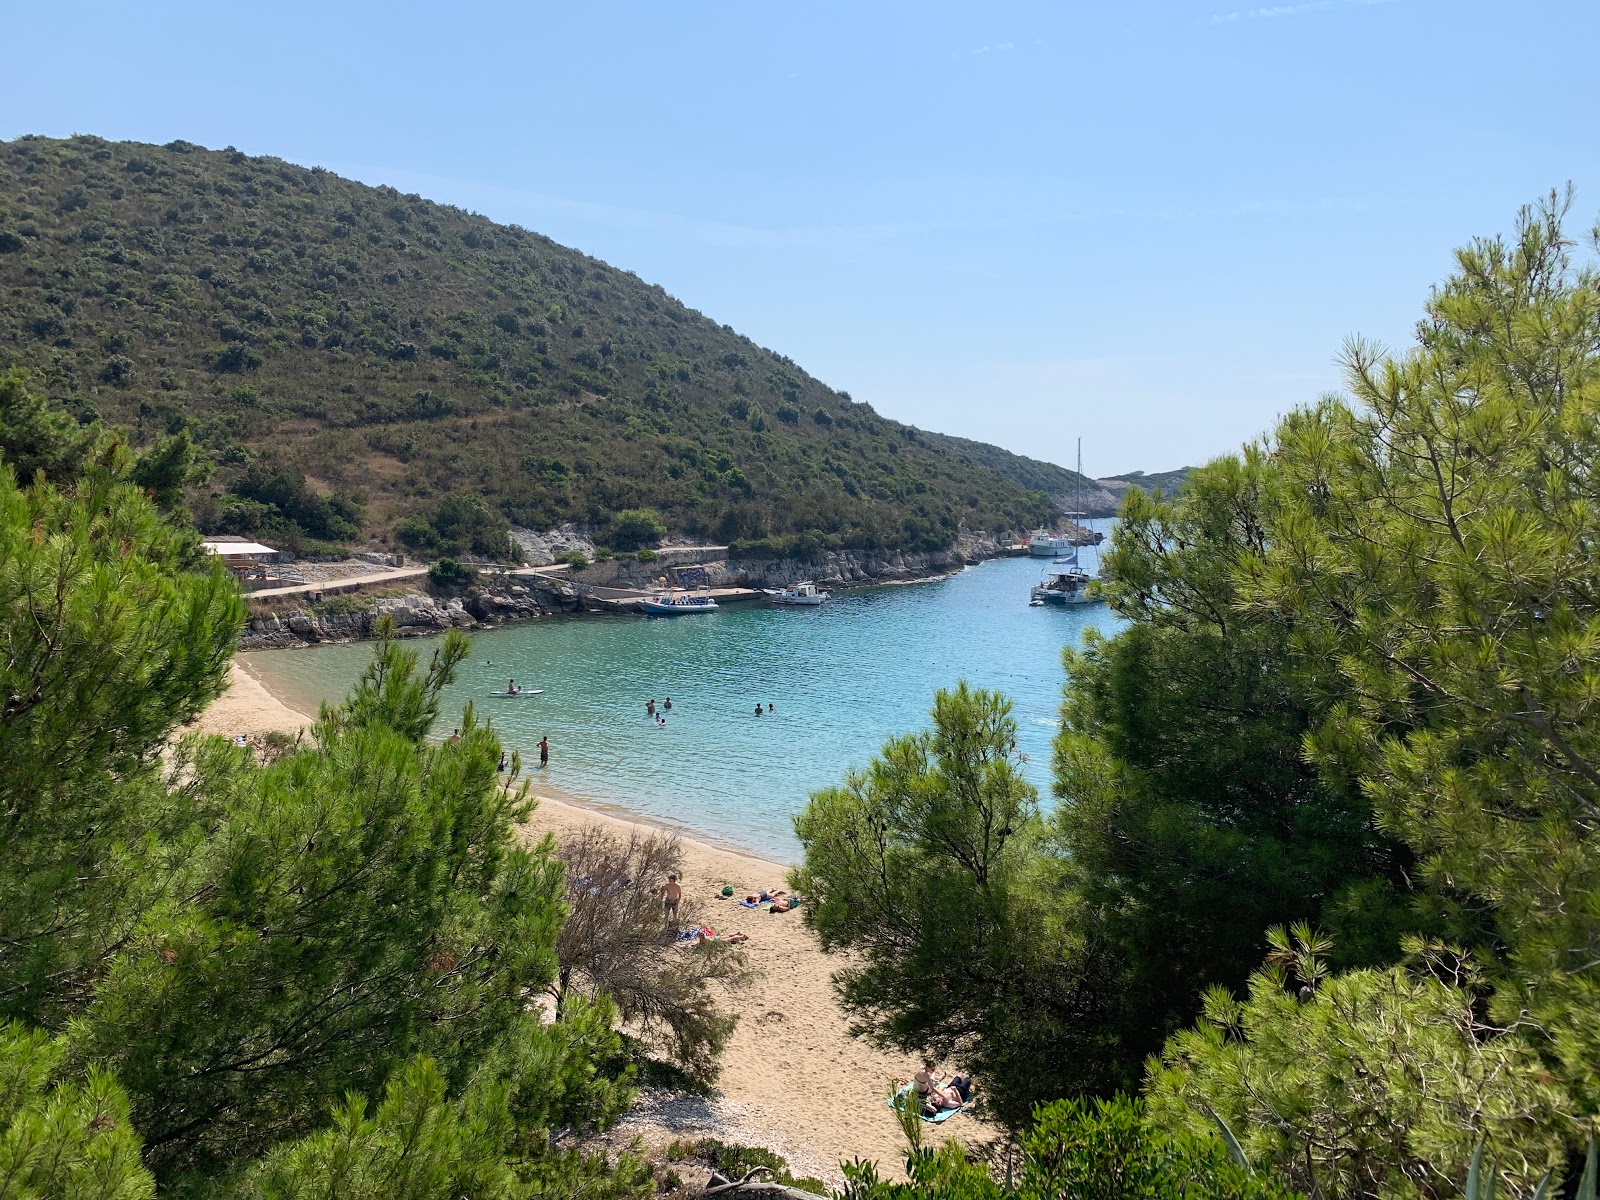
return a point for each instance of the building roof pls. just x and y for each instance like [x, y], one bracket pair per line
[232, 549]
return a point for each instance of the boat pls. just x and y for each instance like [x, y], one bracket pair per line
[675, 604]
[1068, 588]
[803, 593]
[1070, 585]
[1046, 544]
[519, 693]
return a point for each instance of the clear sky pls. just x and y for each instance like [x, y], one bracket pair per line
[1148, 224]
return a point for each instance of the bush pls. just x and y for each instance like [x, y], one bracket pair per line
[737, 1161]
[577, 560]
[634, 528]
[647, 556]
[448, 573]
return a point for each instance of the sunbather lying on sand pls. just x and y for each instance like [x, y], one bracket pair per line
[942, 1095]
[709, 935]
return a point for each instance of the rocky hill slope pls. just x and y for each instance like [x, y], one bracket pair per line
[358, 363]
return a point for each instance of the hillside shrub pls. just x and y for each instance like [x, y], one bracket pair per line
[448, 573]
[634, 528]
[577, 560]
[646, 556]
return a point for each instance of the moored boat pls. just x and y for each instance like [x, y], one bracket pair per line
[1070, 587]
[1047, 544]
[803, 593]
[675, 604]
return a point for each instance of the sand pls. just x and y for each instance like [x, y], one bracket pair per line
[793, 1080]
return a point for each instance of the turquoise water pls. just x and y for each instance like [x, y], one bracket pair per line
[844, 678]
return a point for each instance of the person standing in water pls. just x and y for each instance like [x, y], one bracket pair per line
[758, 710]
[544, 751]
[649, 708]
[667, 704]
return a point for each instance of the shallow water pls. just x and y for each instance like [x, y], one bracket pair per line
[843, 677]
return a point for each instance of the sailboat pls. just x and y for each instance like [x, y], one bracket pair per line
[1070, 586]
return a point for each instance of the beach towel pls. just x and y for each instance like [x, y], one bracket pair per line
[764, 905]
[944, 1114]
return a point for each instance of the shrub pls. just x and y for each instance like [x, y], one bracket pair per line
[647, 556]
[736, 1161]
[448, 573]
[577, 560]
[633, 528]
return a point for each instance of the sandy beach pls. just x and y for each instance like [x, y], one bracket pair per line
[793, 1078]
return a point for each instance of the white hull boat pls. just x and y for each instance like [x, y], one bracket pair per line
[1067, 589]
[1044, 544]
[802, 594]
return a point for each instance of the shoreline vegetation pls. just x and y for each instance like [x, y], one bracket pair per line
[792, 1035]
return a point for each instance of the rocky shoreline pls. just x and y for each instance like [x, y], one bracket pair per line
[497, 599]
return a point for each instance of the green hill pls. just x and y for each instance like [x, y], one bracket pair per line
[351, 358]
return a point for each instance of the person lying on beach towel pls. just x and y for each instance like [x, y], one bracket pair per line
[952, 1094]
[709, 935]
[927, 1109]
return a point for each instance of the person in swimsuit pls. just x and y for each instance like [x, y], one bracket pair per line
[671, 897]
[544, 751]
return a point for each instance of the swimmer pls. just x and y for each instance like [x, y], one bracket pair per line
[667, 704]
[758, 710]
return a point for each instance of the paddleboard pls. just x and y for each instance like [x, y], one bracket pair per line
[523, 692]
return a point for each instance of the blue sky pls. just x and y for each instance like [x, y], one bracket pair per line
[1148, 224]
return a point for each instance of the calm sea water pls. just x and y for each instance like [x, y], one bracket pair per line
[843, 677]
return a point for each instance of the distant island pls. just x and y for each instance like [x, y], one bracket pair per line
[358, 364]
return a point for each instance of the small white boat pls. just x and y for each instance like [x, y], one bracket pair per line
[676, 604]
[803, 593]
[1068, 588]
[520, 692]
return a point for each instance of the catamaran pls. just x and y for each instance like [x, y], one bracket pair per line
[1069, 587]
[675, 604]
[1072, 585]
[803, 593]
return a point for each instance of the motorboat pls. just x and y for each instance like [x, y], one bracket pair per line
[676, 604]
[1068, 588]
[803, 593]
[1047, 544]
